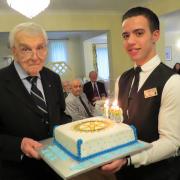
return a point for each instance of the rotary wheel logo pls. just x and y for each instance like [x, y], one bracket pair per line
[92, 126]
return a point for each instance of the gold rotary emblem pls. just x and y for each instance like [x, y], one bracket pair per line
[92, 126]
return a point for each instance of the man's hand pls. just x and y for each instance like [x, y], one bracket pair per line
[29, 147]
[114, 166]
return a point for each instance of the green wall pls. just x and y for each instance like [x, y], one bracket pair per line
[110, 22]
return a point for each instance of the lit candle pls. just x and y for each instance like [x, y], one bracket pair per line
[106, 108]
[116, 112]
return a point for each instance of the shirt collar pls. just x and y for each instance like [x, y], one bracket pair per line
[151, 64]
[22, 74]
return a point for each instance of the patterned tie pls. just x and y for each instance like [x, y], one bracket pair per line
[95, 91]
[85, 107]
[37, 95]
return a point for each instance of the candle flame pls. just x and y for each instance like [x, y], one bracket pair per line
[115, 103]
[107, 102]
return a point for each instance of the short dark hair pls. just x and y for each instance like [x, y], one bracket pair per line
[142, 11]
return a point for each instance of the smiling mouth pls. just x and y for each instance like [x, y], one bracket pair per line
[133, 49]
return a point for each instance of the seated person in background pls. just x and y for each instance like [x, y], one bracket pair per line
[77, 110]
[94, 89]
[66, 88]
[77, 104]
[176, 68]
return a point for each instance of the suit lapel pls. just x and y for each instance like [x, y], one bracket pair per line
[47, 88]
[16, 87]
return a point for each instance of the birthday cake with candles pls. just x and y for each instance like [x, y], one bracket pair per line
[91, 137]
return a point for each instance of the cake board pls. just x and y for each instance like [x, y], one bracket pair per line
[66, 167]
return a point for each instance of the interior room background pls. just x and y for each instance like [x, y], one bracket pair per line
[92, 40]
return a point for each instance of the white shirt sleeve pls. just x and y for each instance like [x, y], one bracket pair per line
[168, 127]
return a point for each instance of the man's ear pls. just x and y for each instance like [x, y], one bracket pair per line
[156, 35]
[13, 50]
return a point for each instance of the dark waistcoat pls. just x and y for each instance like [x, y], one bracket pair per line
[144, 115]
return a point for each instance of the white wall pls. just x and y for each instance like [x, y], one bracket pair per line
[171, 39]
[4, 51]
[75, 58]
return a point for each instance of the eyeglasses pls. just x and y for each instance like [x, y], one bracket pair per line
[77, 86]
[28, 52]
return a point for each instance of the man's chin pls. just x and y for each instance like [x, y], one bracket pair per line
[34, 72]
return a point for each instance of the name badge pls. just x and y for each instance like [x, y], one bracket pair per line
[150, 93]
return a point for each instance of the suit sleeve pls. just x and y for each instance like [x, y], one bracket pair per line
[10, 148]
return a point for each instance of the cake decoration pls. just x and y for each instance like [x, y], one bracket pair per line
[92, 126]
[94, 136]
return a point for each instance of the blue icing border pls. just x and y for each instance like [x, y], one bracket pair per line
[80, 142]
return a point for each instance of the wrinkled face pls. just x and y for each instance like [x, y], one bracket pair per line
[138, 41]
[76, 88]
[93, 76]
[66, 86]
[30, 52]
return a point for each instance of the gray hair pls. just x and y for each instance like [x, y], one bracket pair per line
[29, 27]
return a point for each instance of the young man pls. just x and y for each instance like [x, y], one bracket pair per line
[154, 107]
[31, 104]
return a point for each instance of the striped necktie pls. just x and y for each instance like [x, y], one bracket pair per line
[95, 90]
[37, 95]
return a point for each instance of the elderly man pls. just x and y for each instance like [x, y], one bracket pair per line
[94, 90]
[77, 104]
[66, 88]
[32, 103]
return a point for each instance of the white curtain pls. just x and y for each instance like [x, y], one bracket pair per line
[102, 61]
[57, 50]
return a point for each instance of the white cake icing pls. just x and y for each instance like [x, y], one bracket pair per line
[89, 137]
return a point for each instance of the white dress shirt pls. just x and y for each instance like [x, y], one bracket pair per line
[23, 75]
[168, 120]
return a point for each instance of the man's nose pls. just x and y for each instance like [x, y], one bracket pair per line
[131, 39]
[35, 54]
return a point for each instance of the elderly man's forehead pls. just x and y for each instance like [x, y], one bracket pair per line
[66, 82]
[76, 82]
[93, 73]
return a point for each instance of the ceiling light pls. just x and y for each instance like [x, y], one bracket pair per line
[29, 8]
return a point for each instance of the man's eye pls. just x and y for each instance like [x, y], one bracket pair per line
[41, 47]
[25, 49]
[125, 36]
[139, 33]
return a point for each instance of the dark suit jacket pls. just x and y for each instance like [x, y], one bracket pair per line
[19, 117]
[88, 90]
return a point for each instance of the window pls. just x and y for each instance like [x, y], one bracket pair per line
[102, 61]
[57, 50]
